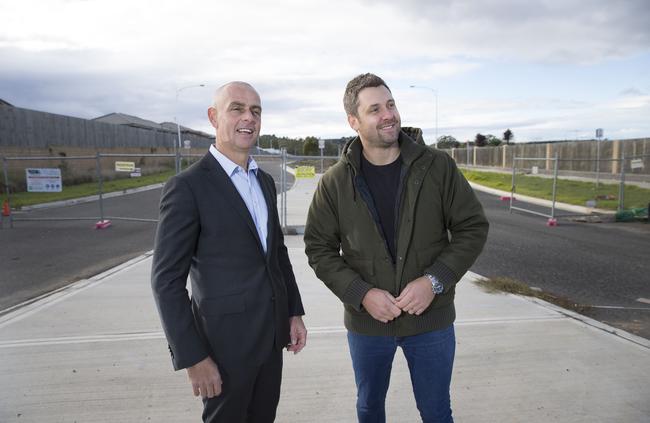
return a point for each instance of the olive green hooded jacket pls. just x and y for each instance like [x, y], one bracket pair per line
[440, 229]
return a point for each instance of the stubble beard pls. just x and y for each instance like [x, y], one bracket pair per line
[388, 141]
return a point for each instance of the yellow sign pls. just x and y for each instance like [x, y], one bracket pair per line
[304, 172]
[124, 166]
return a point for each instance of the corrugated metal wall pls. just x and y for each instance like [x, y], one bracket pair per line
[32, 129]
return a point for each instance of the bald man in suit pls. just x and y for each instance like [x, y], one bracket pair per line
[219, 224]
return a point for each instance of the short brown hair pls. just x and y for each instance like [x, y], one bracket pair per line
[354, 87]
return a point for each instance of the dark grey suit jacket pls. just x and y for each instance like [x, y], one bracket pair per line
[241, 298]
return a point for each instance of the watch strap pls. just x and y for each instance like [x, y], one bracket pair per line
[436, 286]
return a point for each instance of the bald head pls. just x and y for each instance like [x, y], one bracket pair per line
[221, 94]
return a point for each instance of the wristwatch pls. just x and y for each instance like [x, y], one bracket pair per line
[436, 286]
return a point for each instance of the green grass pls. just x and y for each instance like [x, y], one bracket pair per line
[568, 191]
[509, 285]
[20, 199]
[571, 192]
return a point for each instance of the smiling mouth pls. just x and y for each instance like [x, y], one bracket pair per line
[389, 126]
[245, 131]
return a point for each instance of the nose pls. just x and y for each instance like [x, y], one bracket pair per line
[387, 114]
[249, 115]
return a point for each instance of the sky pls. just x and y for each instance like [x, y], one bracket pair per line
[545, 69]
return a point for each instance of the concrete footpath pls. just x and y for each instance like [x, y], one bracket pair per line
[95, 352]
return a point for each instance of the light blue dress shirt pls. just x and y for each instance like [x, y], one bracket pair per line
[249, 190]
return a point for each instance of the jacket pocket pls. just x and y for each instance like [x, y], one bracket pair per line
[227, 304]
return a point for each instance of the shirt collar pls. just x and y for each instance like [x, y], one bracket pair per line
[228, 165]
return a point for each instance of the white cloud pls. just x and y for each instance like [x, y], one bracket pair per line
[87, 58]
[570, 31]
[632, 102]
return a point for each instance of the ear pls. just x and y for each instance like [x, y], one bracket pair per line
[354, 122]
[212, 115]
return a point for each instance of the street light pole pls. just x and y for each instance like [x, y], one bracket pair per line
[435, 92]
[178, 125]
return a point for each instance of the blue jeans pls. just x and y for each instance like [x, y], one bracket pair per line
[430, 357]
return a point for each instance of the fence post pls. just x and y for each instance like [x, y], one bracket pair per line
[621, 187]
[282, 183]
[615, 149]
[597, 164]
[555, 173]
[100, 187]
[512, 186]
[6, 174]
[284, 189]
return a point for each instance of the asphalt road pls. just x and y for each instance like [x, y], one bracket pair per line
[595, 264]
[588, 263]
[37, 257]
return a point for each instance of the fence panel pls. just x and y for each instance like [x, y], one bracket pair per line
[81, 179]
[146, 174]
[570, 182]
[28, 181]
[102, 177]
[526, 176]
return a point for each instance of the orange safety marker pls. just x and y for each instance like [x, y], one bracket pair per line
[551, 222]
[102, 224]
[6, 211]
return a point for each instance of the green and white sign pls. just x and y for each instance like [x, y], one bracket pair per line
[43, 180]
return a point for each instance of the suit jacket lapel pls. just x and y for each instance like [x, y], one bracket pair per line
[218, 177]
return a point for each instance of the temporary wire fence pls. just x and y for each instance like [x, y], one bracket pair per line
[102, 168]
[600, 191]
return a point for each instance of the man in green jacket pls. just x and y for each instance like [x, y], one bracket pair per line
[392, 228]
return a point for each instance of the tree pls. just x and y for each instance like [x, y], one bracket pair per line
[333, 145]
[266, 141]
[310, 146]
[447, 141]
[480, 140]
[493, 141]
[508, 135]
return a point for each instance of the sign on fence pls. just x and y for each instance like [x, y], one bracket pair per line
[43, 180]
[305, 172]
[124, 166]
[637, 164]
